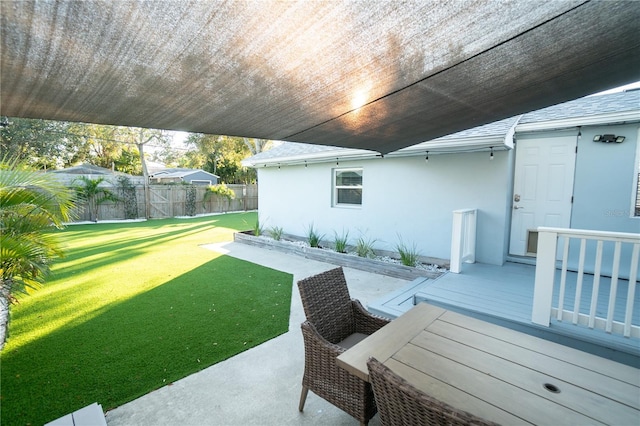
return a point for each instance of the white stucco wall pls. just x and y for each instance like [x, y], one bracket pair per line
[401, 197]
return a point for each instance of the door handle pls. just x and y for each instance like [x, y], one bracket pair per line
[516, 207]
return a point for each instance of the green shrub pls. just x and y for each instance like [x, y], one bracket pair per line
[128, 197]
[364, 247]
[340, 241]
[190, 201]
[221, 190]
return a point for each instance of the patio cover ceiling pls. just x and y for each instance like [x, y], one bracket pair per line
[378, 75]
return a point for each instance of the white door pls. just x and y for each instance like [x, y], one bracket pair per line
[542, 189]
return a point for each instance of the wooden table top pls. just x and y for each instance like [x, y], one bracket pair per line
[500, 374]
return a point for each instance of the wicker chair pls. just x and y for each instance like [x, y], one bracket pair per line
[334, 323]
[401, 404]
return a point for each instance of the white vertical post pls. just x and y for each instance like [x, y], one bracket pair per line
[470, 236]
[614, 287]
[545, 274]
[578, 295]
[631, 291]
[463, 239]
[596, 285]
[456, 243]
[563, 278]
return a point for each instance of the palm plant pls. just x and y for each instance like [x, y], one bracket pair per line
[94, 195]
[30, 204]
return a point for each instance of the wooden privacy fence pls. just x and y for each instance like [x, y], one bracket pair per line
[171, 201]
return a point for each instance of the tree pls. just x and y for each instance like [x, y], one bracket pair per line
[90, 191]
[256, 146]
[41, 144]
[140, 137]
[48, 144]
[110, 147]
[222, 156]
[30, 204]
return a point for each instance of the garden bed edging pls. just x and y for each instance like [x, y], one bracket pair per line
[335, 258]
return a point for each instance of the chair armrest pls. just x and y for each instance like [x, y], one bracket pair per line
[314, 342]
[366, 322]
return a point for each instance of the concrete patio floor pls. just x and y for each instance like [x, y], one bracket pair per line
[260, 386]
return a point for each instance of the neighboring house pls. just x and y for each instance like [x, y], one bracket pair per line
[153, 167]
[85, 169]
[70, 175]
[194, 176]
[557, 167]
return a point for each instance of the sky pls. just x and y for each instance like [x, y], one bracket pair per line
[635, 85]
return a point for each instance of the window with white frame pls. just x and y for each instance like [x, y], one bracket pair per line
[347, 187]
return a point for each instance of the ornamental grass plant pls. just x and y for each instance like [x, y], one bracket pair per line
[409, 255]
[131, 308]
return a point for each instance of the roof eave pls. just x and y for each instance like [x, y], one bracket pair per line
[594, 120]
[318, 157]
[459, 145]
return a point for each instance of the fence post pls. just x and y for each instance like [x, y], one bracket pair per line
[545, 274]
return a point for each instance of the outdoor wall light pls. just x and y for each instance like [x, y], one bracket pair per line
[608, 138]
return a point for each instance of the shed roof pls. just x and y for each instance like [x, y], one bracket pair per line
[180, 173]
[379, 75]
[86, 169]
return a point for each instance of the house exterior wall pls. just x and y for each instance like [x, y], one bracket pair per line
[604, 182]
[603, 192]
[604, 189]
[402, 198]
[409, 199]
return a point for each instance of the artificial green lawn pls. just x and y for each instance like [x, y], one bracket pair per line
[131, 308]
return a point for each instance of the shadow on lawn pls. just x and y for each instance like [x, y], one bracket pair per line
[127, 349]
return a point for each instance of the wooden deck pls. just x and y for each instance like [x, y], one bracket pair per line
[504, 295]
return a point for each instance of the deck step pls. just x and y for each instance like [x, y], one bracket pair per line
[398, 302]
[91, 415]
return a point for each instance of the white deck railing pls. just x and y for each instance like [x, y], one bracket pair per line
[463, 239]
[548, 241]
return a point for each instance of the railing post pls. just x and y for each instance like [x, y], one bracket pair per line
[470, 236]
[455, 265]
[463, 239]
[545, 274]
